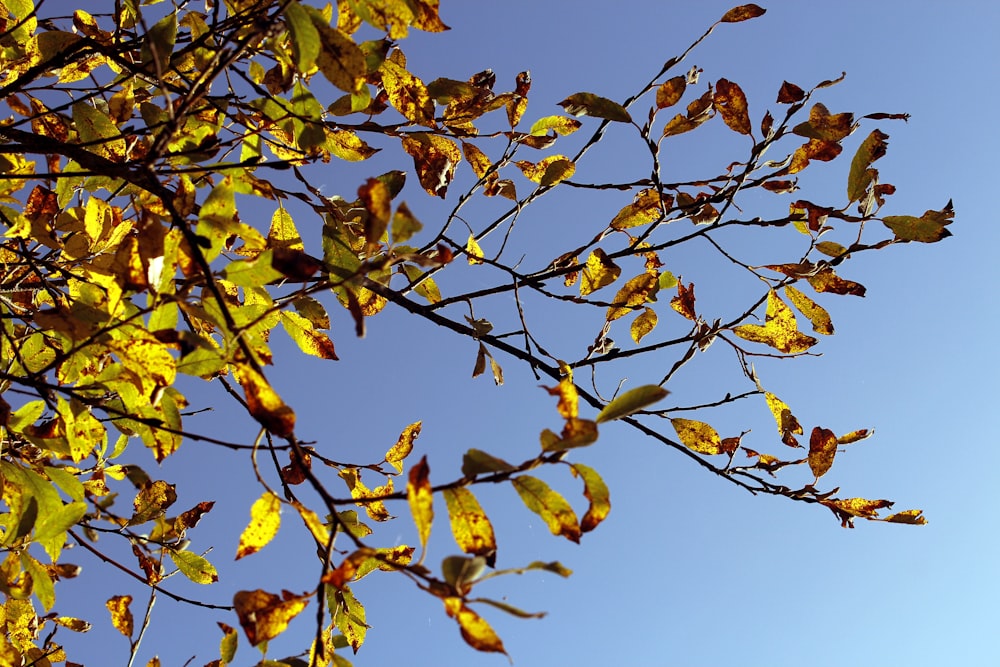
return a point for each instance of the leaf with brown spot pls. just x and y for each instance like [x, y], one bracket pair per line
[643, 324]
[790, 93]
[820, 319]
[648, 206]
[683, 303]
[549, 171]
[731, 103]
[263, 616]
[779, 330]
[847, 509]
[264, 403]
[121, 615]
[912, 517]
[596, 492]
[698, 436]
[824, 126]
[407, 94]
[588, 104]
[928, 228]
[435, 159]
[633, 295]
[470, 526]
[828, 281]
[600, 271]
[861, 175]
[670, 92]
[783, 417]
[822, 449]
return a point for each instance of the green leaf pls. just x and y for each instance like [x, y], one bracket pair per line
[928, 228]
[631, 401]
[860, 177]
[194, 567]
[158, 44]
[476, 462]
[560, 124]
[304, 37]
[252, 272]
[588, 104]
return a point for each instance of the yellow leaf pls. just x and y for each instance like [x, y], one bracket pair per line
[646, 208]
[479, 161]
[421, 500]
[264, 615]
[152, 501]
[569, 399]
[559, 124]
[340, 60]
[309, 340]
[264, 403]
[473, 250]
[376, 509]
[698, 436]
[631, 401]
[822, 449]
[820, 319]
[549, 171]
[476, 632]
[121, 616]
[596, 491]
[599, 272]
[347, 145]
[435, 159]
[407, 94]
[854, 436]
[470, 526]
[319, 531]
[553, 509]
[786, 421]
[643, 324]
[849, 508]
[913, 517]
[403, 446]
[265, 519]
[283, 233]
[779, 330]
[633, 294]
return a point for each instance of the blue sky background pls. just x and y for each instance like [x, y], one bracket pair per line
[688, 570]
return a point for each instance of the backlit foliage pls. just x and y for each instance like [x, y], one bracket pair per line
[134, 146]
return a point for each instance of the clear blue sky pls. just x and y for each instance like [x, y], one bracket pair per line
[689, 570]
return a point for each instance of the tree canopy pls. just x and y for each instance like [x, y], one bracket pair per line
[166, 203]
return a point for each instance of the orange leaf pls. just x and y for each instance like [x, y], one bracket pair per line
[264, 615]
[822, 449]
[730, 101]
[683, 303]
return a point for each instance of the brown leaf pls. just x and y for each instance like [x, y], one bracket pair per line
[731, 103]
[790, 93]
[822, 449]
[742, 13]
[264, 615]
[670, 92]
[683, 303]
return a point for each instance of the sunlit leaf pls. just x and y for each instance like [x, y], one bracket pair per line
[228, 643]
[855, 436]
[560, 124]
[470, 526]
[847, 509]
[304, 36]
[264, 403]
[632, 295]
[817, 315]
[596, 491]
[549, 171]
[861, 175]
[643, 324]
[407, 94]
[647, 207]
[698, 436]
[599, 272]
[421, 500]
[913, 517]
[783, 417]
[309, 340]
[349, 616]
[265, 519]
[152, 501]
[476, 632]
[263, 616]
[473, 250]
[121, 615]
[435, 159]
[194, 567]
[683, 303]
[826, 280]
[670, 92]
[779, 331]
[549, 505]
[631, 401]
[404, 445]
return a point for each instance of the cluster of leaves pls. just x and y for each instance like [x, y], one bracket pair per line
[125, 264]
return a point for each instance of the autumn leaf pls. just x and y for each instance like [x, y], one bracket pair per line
[861, 175]
[121, 615]
[849, 508]
[779, 330]
[698, 436]
[596, 492]
[928, 228]
[643, 324]
[435, 158]
[265, 519]
[421, 500]
[631, 402]
[588, 104]
[470, 526]
[822, 449]
[731, 103]
[264, 403]
[683, 303]
[633, 294]
[786, 421]
[476, 462]
[194, 567]
[558, 124]
[817, 315]
[476, 632]
[263, 616]
[474, 252]
[404, 445]
[549, 171]
[600, 271]
[670, 92]
[742, 13]
[407, 94]
[549, 505]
